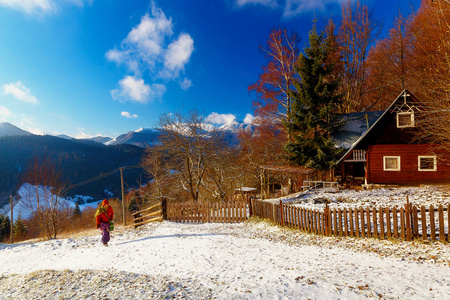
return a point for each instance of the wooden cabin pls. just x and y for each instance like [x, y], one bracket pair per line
[389, 153]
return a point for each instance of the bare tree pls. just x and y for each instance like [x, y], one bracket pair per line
[223, 171]
[155, 163]
[187, 142]
[430, 31]
[45, 188]
[276, 82]
[358, 30]
[260, 149]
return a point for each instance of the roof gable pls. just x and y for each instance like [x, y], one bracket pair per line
[404, 102]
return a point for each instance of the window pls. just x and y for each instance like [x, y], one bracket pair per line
[405, 119]
[427, 163]
[391, 163]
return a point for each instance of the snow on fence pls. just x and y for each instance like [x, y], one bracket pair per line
[407, 223]
[207, 212]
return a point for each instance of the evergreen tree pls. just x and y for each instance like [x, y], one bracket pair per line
[4, 227]
[19, 226]
[76, 211]
[314, 104]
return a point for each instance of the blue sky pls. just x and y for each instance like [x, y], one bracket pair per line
[105, 67]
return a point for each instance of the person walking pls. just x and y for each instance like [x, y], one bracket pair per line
[104, 215]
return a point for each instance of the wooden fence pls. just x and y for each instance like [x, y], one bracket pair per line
[153, 213]
[207, 212]
[407, 223]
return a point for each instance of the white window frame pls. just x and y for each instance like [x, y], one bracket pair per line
[411, 114]
[398, 163]
[427, 156]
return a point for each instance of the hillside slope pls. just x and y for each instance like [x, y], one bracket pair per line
[79, 160]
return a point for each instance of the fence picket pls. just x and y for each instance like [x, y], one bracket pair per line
[448, 221]
[402, 224]
[375, 223]
[432, 224]
[441, 224]
[369, 227]
[381, 210]
[415, 222]
[356, 223]
[388, 223]
[395, 220]
[345, 222]
[424, 223]
[363, 225]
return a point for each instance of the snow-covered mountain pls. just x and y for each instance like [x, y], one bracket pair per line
[231, 131]
[7, 129]
[142, 137]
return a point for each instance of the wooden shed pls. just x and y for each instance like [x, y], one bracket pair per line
[389, 152]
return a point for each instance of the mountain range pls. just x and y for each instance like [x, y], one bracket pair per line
[83, 159]
[143, 137]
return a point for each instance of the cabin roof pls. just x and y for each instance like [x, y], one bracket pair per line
[404, 93]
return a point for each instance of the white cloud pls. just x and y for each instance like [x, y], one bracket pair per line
[19, 91]
[271, 3]
[4, 112]
[291, 8]
[29, 6]
[249, 119]
[116, 56]
[177, 55]
[83, 135]
[144, 44]
[39, 6]
[150, 47]
[135, 89]
[128, 115]
[36, 131]
[216, 118]
[296, 7]
[185, 84]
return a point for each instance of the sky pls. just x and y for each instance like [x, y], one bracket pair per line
[105, 67]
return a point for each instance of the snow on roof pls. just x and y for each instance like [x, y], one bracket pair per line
[246, 189]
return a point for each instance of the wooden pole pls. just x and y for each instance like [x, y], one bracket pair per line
[12, 220]
[123, 197]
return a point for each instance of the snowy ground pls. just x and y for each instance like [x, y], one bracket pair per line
[252, 260]
[377, 197]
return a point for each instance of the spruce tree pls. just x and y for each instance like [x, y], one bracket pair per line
[19, 226]
[76, 211]
[314, 103]
[4, 227]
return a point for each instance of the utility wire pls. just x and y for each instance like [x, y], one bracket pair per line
[101, 176]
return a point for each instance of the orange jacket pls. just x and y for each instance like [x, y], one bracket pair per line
[104, 212]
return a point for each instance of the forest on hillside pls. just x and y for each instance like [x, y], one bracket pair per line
[78, 161]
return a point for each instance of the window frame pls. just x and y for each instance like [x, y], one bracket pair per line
[427, 170]
[398, 163]
[411, 114]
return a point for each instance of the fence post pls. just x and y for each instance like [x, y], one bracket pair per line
[281, 213]
[164, 207]
[11, 224]
[327, 219]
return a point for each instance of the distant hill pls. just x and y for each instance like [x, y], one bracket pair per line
[80, 161]
[7, 129]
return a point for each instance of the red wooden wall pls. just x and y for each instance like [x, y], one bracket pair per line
[409, 173]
